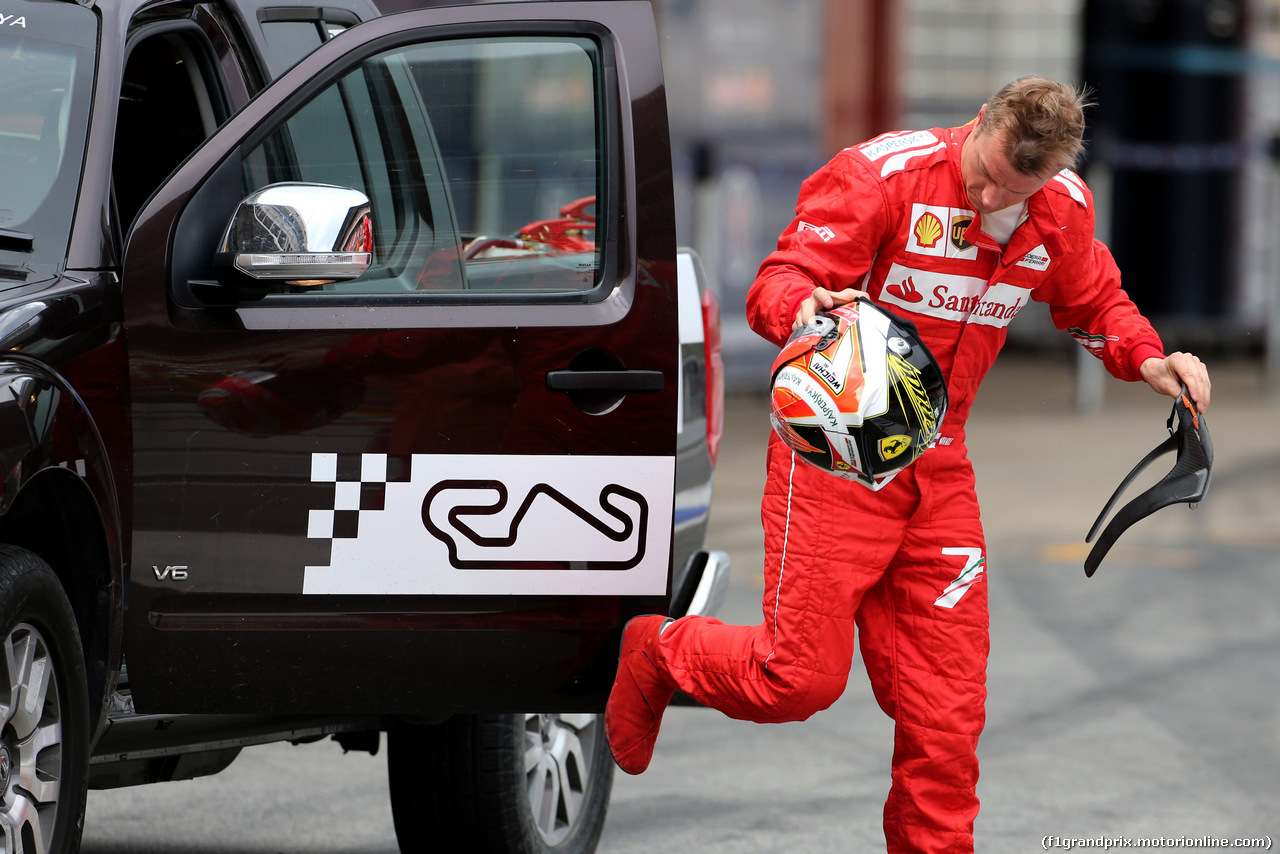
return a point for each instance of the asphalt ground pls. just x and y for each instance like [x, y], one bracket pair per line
[1143, 702]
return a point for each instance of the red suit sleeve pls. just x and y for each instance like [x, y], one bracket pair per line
[841, 218]
[1091, 306]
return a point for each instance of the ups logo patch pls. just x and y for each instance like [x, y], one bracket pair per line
[959, 225]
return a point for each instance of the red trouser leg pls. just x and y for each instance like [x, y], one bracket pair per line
[923, 633]
[826, 543]
[904, 563]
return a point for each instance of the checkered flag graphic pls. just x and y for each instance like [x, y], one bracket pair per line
[359, 486]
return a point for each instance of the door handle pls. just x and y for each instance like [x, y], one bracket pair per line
[622, 381]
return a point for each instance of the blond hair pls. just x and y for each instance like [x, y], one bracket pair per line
[1042, 122]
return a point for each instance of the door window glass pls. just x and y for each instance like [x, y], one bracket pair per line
[481, 158]
[289, 33]
[286, 42]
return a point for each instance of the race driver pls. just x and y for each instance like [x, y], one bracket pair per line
[955, 229]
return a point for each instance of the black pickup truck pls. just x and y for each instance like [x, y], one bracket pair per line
[351, 382]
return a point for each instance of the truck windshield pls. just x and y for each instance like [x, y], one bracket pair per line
[46, 74]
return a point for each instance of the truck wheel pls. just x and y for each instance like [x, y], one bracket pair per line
[44, 711]
[500, 784]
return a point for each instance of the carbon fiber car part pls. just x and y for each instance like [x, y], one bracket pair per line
[1186, 483]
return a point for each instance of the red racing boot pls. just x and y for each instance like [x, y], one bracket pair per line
[640, 695]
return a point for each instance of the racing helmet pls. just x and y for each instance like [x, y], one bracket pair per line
[856, 393]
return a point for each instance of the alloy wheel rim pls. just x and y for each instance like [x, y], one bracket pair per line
[558, 751]
[31, 735]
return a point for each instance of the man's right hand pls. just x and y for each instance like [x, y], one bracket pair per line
[823, 300]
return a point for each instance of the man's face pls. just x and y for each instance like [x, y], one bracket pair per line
[990, 181]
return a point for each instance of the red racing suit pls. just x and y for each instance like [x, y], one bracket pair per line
[904, 566]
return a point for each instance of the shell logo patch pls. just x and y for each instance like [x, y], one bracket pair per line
[930, 224]
[927, 231]
[893, 446]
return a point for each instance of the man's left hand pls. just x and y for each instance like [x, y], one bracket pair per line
[1167, 375]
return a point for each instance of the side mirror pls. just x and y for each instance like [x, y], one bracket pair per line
[297, 234]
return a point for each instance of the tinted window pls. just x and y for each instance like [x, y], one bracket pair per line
[517, 127]
[481, 159]
[46, 77]
[289, 33]
[34, 103]
[287, 42]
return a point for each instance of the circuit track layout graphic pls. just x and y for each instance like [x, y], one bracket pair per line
[510, 539]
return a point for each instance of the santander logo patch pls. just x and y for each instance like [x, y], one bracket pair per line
[905, 291]
[963, 299]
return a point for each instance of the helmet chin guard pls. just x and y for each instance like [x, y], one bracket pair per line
[1186, 483]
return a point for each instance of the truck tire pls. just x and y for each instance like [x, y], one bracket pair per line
[44, 711]
[500, 784]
